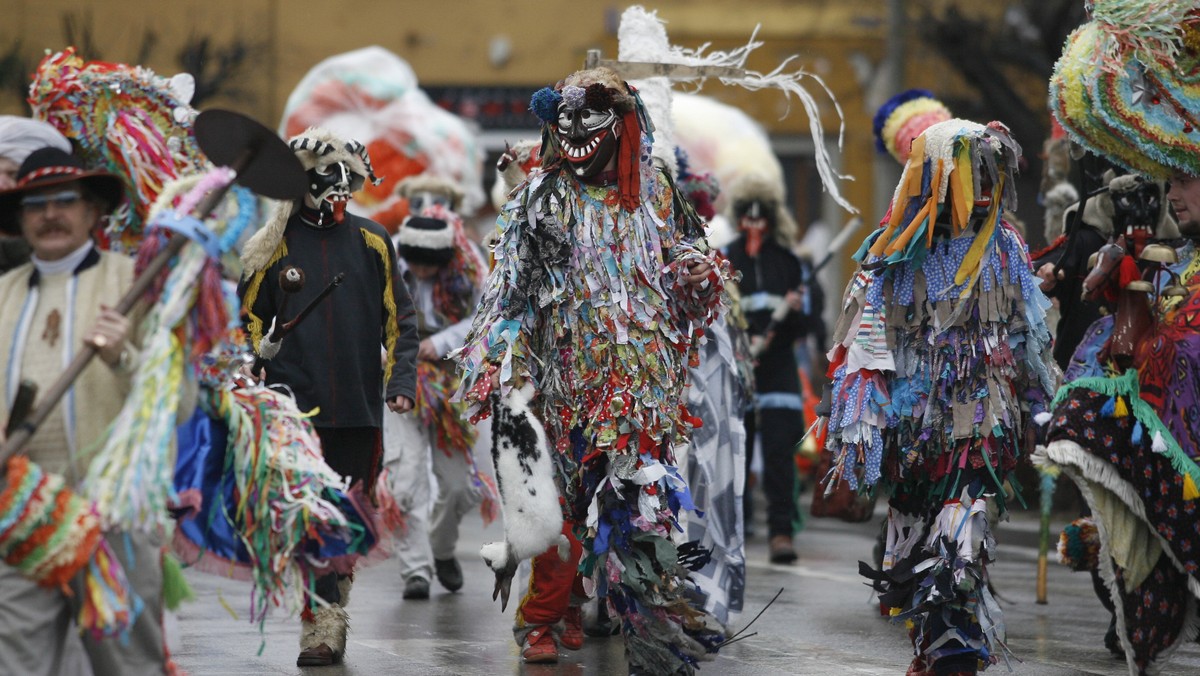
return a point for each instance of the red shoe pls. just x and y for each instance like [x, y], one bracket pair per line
[572, 638]
[540, 647]
[917, 668]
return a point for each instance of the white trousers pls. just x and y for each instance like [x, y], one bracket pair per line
[434, 490]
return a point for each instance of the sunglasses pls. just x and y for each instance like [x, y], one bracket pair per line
[36, 204]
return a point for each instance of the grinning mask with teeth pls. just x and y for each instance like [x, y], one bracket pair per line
[588, 137]
[329, 187]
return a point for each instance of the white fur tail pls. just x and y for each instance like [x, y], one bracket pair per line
[525, 475]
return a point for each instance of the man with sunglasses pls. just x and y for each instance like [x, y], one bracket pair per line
[20, 136]
[49, 308]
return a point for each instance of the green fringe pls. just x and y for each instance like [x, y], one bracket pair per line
[176, 590]
[1126, 385]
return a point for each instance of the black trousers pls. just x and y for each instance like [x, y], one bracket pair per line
[357, 454]
[781, 430]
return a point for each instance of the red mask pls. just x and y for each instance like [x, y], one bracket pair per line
[755, 229]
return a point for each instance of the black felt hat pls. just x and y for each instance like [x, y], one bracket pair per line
[49, 167]
[425, 240]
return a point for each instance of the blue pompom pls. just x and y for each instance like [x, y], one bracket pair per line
[544, 104]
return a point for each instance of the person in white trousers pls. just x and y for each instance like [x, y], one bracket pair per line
[444, 270]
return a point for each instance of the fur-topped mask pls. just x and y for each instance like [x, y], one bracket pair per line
[424, 190]
[336, 168]
[584, 113]
[757, 208]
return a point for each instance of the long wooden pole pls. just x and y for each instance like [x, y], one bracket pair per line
[25, 431]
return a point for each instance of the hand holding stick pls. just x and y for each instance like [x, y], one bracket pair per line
[281, 329]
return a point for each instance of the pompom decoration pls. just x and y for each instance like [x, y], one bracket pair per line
[1079, 545]
[544, 104]
[575, 97]
[49, 534]
[903, 118]
[599, 97]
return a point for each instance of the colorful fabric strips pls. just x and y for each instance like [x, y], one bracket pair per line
[49, 534]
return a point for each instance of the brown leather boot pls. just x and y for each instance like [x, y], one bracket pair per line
[781, 549]
[320, 656]
[323, 639]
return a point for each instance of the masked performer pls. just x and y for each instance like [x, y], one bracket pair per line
[331, 361]
[941, 355]
[1124, 425]
[596, 300]
[772, 275]
[444, 270]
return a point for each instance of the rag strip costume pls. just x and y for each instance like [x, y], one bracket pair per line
[438, 432]
[331, 361]
[587, 303]
[941, 355]
[1124, 425]
[762, 255]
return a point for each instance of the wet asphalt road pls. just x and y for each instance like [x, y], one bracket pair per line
[824, 622]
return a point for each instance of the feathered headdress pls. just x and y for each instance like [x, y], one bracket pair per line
[903, 117]
[1126, 87]
[652, 64]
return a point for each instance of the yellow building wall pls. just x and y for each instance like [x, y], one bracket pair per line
[448, 43]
